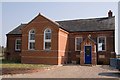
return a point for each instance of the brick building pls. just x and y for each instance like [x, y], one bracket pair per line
[81, 41]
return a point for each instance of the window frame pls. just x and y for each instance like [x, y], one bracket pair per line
[98, 42]
[31, 41]
[76, 43]
[17, 45]
[47, 40]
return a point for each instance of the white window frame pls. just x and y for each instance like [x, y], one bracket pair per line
[98, 42]
[47, 40]
[29, 41]
[17, 45]
[76, 43]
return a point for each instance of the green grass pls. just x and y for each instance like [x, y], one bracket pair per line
[32, 66]
[12, 64]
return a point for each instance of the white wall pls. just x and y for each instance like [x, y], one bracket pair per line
[118, 31]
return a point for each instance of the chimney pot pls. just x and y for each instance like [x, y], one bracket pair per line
[110, 13]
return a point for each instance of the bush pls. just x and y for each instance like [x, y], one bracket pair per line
[10, 61]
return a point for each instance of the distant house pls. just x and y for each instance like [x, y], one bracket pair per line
[81, 41]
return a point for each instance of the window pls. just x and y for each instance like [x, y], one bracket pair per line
[47, 39]
[78, 41]
[31, 41]
[18, 44]
[101, 43]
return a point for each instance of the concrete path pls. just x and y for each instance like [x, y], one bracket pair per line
[72, 71]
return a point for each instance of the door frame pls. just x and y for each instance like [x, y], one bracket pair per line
[91, 53]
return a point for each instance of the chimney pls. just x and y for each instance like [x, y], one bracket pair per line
[110, 13]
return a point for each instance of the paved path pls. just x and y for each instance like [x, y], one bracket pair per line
[72, 71]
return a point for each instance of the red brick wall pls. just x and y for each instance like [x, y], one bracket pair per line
[39, 55]
[10, 53]
[109, 45]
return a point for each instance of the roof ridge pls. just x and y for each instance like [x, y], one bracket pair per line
[87, 19]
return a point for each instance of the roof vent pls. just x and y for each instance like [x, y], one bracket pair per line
[110, 13]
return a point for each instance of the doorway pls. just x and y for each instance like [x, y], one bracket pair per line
[88, 57]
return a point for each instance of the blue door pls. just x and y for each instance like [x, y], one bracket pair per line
[88, 51]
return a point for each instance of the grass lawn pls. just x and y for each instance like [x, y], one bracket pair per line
[11, 64]
[11, 67]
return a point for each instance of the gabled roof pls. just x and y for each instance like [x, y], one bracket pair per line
[94, 24]
[89, 38]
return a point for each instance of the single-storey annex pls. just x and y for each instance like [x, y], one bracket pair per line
[80, 41]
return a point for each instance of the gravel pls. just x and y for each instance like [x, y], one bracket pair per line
[72, 71]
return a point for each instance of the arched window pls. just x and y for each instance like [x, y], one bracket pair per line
[47, 39]
[31, 41]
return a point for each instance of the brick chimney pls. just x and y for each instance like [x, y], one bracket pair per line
[110, 13]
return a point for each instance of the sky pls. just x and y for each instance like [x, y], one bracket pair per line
[15, 13]
[1, 24]
[59, 0]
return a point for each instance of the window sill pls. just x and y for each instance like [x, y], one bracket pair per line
[31, 50]
[46, 50]
[77, 50]
[102, 51]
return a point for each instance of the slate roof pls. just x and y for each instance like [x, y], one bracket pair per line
[17, 30]
[94, 24]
